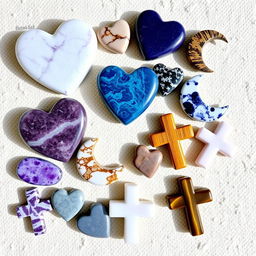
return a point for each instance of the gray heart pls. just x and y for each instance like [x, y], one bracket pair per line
[67, 205]
[97, 224]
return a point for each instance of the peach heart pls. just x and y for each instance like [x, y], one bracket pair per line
[116, 38]
[147, 161]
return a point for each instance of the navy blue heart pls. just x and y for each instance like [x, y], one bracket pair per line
[127, 95]
[156, 37]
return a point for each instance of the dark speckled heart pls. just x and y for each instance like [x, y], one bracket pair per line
[156, 37]
[55, 134]
[168, 78]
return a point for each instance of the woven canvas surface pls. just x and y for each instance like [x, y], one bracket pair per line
[229, 221]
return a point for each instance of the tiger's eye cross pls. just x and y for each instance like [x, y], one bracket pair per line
[189, 199]
[172, 137]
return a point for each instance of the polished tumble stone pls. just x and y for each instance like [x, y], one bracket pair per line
[147, 161]
[60, 61]
[35, 210]
[37, 171]
[55, 134]
[168, 78]
[97, 224]
[156, 37]
[127, 95]
[193, 105]
[67, 205]
[115, 38]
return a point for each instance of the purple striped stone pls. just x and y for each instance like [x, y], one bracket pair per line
[34, 209]
[55, 134]
[37, 171]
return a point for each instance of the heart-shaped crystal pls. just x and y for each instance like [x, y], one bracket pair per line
[55, 134]
[60, 61]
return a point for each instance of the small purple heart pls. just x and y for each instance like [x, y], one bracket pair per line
[55, 134]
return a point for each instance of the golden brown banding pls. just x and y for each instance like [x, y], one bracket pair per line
[195, 45]
[189, 199]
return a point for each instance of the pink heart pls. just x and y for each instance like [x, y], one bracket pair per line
[147, 161]
[116, 38]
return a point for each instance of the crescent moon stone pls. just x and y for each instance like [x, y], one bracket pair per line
[91, 170]
[193, 105]
[195, 45]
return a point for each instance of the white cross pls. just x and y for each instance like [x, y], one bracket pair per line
[130, 209]
[215, 142]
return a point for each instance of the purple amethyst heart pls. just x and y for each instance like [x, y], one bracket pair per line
[55, 134]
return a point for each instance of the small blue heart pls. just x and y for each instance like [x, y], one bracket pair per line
[157, 38]
[67, 205]
[127, 95]
[97, 224]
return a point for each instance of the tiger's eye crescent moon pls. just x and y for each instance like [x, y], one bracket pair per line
[195, 45]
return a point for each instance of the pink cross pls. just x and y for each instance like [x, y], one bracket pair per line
[215, 142]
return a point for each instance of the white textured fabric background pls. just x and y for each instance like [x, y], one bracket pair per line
[229, 221]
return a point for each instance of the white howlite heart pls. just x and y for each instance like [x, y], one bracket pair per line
[60, 61]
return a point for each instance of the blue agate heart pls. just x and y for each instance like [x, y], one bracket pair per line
[127, 95]
[157, 38]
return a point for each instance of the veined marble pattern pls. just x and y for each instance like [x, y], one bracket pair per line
[34, 209]
[116, 38]
[91, 170]
[232, 180]
[193, 105]
[55, 134]
[127, 95]
[59, 61]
